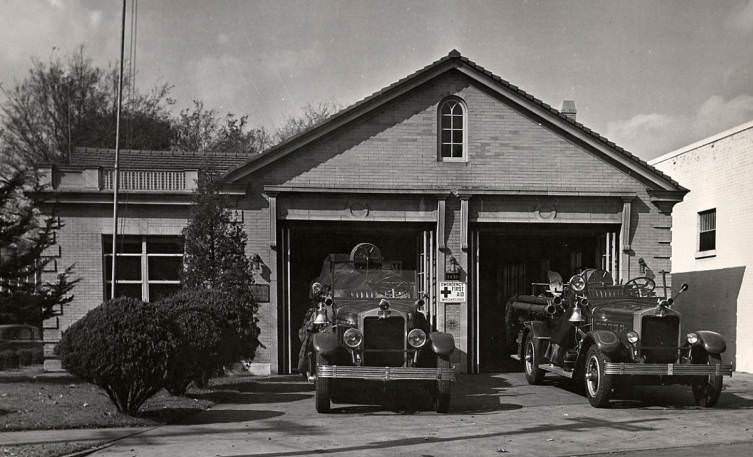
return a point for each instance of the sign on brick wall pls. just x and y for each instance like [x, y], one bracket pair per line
[452, 291]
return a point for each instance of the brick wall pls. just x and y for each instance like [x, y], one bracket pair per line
[79, 243]
[397, 147]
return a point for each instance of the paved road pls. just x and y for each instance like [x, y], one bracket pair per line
[741, 449]
[492, 415]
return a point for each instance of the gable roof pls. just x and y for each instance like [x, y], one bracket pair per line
[455, 61]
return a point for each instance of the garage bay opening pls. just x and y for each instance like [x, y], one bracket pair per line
[518, 258]
[403, 247]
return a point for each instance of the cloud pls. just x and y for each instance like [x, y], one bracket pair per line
[652, 134]
[41, 29]
[742, 18]
[220, 81]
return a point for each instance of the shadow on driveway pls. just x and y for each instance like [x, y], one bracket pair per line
[576, 424]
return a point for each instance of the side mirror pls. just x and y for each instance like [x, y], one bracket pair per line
[419, 304]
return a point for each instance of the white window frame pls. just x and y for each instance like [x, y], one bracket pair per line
[708, 252]
[464, 144]
[144, 255]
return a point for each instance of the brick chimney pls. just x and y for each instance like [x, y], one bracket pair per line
[568, 109]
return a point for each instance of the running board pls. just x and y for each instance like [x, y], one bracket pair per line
[556, 370]
[515, 357]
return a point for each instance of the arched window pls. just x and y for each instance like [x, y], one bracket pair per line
[452, 130]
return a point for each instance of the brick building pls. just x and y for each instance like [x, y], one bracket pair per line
[452, 172]
[712, 236]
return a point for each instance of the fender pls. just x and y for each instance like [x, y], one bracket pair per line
[607, 341]
[537, 329]
[326, 343]
[442, 343]
[712, 342]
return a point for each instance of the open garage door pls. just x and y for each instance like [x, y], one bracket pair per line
[511, 259]
[405, 246]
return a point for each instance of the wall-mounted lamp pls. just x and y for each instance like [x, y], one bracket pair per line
[642, 265]
[452, 269]
[256, 262]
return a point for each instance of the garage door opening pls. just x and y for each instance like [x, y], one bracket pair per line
[513, 258]
[403, 246]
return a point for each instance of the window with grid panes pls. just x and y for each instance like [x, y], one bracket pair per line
[147, 267]
[707, 230]
[452, 130]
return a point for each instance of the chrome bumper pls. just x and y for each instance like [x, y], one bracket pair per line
[668, 369]
[385, 373]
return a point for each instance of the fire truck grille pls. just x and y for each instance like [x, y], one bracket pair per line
[659, 336]
[384, 341]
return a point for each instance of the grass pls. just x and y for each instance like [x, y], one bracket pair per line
[39, 403]
[47, 449]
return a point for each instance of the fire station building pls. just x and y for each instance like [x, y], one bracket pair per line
[451, 172]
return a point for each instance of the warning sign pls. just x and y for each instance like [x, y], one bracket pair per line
[451, 291]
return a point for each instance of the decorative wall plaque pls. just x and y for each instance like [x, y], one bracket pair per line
[358, 209]
[260, 292]
[452, 318]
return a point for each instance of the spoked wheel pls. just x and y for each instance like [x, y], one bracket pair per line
[707, 392]
[531, 360]
[444, 389]
[322, 384]
[598, 385]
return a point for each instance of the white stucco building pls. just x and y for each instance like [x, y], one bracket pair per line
[712, 236]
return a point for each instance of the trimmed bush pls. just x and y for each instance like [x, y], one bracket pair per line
[8, 359]
[199, 336]
[37, 355]
[213, 329]
[122, 346]
[24, 357]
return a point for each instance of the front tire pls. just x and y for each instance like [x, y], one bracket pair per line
[707, 393]
[598, 385]
[444, 389]
[531, 359]
[322, 396]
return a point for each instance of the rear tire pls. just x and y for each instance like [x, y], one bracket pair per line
[532, 357]
[707, 393]
[598, 385]
[322, 397]
[444, 389]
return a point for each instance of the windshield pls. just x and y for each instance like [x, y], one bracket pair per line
[350, 281]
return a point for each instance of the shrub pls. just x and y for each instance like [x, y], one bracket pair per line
[8, 359]
[122, 346]
[200, 334]
[213, 329]
[24, 357]
[37, 355]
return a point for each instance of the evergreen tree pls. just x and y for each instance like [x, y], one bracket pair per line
[24, 236]
[215, 245]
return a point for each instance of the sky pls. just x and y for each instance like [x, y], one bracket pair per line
[651, 76]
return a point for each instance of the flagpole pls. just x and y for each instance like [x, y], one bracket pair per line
[115, 174]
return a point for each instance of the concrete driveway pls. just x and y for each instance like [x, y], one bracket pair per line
[492, 414]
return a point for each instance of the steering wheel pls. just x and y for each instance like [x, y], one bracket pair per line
[643, 284]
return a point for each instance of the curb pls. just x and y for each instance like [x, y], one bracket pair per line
[107, 444]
